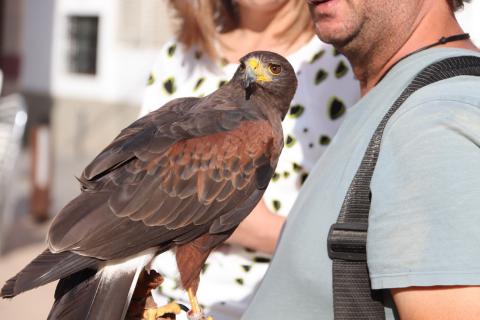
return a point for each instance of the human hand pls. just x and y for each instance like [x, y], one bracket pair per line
[259, 231]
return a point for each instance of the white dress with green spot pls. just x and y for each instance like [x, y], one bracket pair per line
[326, 88]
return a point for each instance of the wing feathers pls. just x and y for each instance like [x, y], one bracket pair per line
[207, 169]
[45, 268]
[187, 183]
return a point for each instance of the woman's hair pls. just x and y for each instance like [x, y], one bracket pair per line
[199, 21]
[457, 4]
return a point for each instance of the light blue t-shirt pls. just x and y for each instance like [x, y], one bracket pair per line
[424, 226]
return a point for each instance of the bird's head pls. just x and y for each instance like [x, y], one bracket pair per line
[267, 73]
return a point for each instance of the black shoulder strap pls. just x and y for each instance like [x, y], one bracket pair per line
[352, 294]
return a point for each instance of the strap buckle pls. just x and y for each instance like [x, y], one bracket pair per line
[348, 241]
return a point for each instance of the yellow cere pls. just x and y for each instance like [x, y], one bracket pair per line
[261, 73]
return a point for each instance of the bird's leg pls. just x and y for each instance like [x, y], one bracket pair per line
[142, 305]
[190, 259]
[196, 313]
[154, 313]
[193, 302]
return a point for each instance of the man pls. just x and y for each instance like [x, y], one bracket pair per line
[424, 230]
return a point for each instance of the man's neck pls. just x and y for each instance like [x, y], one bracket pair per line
[433, 23]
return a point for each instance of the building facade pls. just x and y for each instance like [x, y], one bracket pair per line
[82, 65]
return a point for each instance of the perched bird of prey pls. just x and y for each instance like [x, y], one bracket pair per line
[182, 177]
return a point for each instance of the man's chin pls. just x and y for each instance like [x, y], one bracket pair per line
[335, 33]
[330, 36]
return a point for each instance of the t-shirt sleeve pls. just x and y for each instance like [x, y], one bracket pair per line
[424, 226]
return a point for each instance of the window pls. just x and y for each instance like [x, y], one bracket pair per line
[83, 37]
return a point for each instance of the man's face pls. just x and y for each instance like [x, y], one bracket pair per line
[341, 22]
[337, 20]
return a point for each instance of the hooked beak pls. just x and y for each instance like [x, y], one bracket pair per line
[250, 78]
[255, 73]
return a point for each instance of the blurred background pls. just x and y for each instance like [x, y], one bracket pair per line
[72, 75]
[75, 71]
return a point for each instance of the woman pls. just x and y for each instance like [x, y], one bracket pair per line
[211, 38]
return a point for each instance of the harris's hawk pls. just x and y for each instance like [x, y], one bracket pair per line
[182, 177]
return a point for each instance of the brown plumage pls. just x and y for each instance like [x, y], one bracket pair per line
[182, 177]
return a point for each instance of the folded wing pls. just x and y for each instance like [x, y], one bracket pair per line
[179, 179]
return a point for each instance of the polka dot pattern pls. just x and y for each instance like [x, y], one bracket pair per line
[276, 205]
[296, 111]
[171, 50]
[169, 85]
[341, 69]
[320, 76]
[317, 56]
[221, 83]
[198, 84]
[290, 141]
[336, 108]
[324, 140]
[151, 79]
[303, 177]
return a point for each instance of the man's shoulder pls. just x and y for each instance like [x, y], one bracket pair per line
[425, 181]
[443, 100]
[461, 89]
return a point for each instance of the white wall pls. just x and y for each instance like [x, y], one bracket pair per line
[121, 70]
[89, 111]
[37, 27]
[469, 19]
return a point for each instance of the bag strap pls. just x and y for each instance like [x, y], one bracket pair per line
[353, 298]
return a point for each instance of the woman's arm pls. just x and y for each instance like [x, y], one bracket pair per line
[438, 303]
[260, 230]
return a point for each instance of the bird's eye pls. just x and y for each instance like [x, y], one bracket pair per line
[242, 66]
[274, 68]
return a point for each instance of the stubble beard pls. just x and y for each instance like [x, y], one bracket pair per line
[342, 34]
[344, 40]
[364, 36]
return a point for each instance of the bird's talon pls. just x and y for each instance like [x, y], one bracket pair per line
[184, 307]
[198, 316]
[149, 314]
[154, 313]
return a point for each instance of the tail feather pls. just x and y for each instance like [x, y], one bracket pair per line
[75, 299]
[104, 295]
[9, 288]
[70, 282]
[45, 268]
